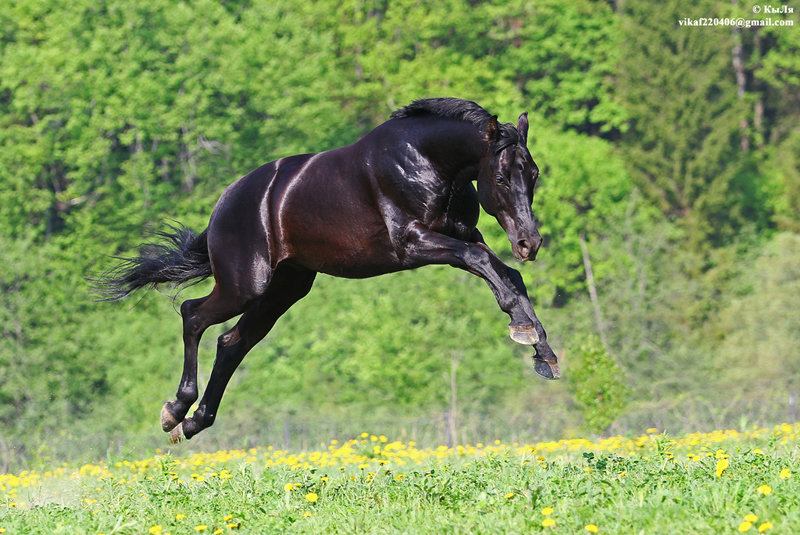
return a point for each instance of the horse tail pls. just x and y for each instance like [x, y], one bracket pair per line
[181, 258]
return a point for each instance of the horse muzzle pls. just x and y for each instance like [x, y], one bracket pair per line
[525, 248]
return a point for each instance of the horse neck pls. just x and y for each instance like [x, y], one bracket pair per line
[456, 149]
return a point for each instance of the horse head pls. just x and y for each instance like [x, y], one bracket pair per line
[506, 182]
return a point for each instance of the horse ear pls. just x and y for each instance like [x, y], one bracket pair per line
[492, 129]
[522, 126]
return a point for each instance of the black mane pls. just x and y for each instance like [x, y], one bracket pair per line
[449, 108]
[458, 110]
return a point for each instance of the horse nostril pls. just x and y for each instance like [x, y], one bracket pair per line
[524, 247]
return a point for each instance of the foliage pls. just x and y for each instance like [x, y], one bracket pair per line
[597, 383]
[749, 325]
[116, 116]
[683, 116]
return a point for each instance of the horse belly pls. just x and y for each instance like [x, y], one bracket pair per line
[360, 252]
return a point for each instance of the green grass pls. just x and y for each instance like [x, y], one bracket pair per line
[650, 484]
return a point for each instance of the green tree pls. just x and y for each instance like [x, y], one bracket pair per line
[677, 86]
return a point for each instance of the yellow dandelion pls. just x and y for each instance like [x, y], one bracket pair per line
[509, 496]
[226, 518]
[758, 451]
[156, 530]
[180, 516]
[289, 487]
[786, 473]
[548, 522]
[219, 531]
[766, 490]
[651, 430]
[722, 465]
[307, 514]
[764, 527]
[547, 511]
[745, 526]
[312, 497]
[232, 526]
[591, 528]
[201, 527]
[750, 517]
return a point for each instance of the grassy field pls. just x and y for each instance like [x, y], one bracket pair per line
[718, 482]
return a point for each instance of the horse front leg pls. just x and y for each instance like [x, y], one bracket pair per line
[528, 332]
[427, 247]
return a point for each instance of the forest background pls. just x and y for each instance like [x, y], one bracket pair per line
[669, 200]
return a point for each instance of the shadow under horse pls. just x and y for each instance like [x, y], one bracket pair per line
[400, 198]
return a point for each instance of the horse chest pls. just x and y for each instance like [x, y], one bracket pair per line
[460, 213]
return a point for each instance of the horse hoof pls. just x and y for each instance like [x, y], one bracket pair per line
[524, 334]
[546, 368]
[176, 435]
[168, 421]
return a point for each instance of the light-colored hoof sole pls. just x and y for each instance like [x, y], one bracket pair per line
[168, 422]
[525, 334]
[176, 435]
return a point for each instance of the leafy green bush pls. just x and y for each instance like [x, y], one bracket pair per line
[597, 384]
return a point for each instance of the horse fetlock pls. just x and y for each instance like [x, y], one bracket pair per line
[192, 426]
[524, 334]
[186, 395]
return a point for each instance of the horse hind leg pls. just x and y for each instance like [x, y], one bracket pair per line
[286, 288]
[198, 315]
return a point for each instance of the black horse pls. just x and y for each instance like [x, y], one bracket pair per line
[399, 198]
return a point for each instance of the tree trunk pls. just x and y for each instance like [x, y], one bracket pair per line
[741, 81]
[598, 313]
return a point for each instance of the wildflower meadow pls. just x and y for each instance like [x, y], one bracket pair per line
[718, 482]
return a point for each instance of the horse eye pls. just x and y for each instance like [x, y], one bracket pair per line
[500, 179]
